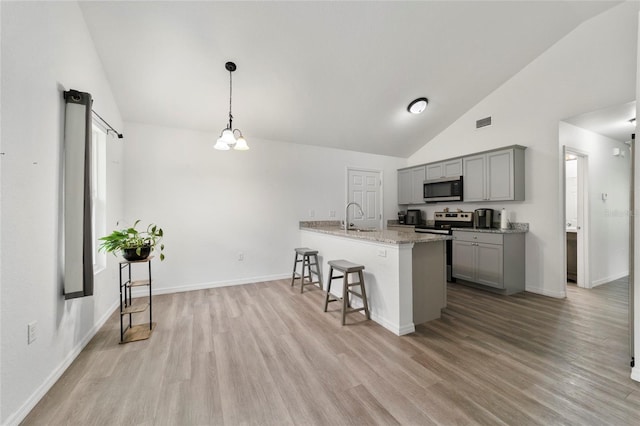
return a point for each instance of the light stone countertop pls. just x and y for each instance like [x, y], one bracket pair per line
[388, 236]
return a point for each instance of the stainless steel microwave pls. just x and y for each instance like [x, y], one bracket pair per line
[443, 189]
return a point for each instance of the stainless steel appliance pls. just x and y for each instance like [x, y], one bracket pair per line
[483, 218]
[443, 224]
[443, 189]
[413, 217]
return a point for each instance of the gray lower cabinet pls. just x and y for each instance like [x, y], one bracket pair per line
[493, 260]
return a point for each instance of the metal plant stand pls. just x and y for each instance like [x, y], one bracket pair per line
[131, 332]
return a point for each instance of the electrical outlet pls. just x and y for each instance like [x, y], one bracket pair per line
[332, 213]
[240, 256]
[31, 332]
[382, 253]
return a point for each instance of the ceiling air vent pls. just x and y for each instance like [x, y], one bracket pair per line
[483, 122]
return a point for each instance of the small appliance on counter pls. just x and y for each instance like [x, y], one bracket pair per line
[483, 218]
[401, 217]
[414, 217]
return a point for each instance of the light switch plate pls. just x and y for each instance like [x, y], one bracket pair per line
[31, 332]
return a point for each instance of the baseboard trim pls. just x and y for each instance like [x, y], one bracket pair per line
[609, 279]
[398, 330]
[141, 292]
[549, 293]
[22, 412]
[406, 329]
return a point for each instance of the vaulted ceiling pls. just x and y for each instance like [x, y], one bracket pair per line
[337, 74]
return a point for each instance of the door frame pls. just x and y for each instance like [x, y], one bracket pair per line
[364, 169]
[584, 273]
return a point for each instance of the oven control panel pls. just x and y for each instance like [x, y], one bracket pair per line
[453, 216]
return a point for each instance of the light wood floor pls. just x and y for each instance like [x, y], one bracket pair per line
[264, 354]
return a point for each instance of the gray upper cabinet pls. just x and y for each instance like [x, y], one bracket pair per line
[494, 176]
[410, 183]
[405, 187]
[473, 185]
[444, 169]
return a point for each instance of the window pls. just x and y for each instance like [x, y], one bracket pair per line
[98, 194]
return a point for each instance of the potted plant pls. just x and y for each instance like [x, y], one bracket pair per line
[134, 244]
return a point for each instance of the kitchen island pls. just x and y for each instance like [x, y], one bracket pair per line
[405, 272]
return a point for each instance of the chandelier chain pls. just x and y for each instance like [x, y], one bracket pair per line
[230, 96]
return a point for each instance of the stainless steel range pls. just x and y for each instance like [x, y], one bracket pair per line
[442, 225]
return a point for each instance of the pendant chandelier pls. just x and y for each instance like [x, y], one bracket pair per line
[228, 139]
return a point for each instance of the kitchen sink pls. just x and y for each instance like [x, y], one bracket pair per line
[364, 229]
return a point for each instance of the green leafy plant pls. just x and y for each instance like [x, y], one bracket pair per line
[131, 238]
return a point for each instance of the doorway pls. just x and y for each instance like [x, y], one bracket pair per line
[576, 200]
[364, 187]
[606, 136]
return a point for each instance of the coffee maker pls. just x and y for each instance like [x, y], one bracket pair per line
[483, 218]
[401, 217]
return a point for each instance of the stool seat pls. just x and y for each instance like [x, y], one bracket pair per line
[345, 266]
[305, 251]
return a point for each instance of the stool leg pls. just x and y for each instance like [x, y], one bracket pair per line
[305, 262]
[295, 263]
[345, 295]
[318, 273]
[364, 294]
[326, 300]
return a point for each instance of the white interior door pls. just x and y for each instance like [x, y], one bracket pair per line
[364, 188]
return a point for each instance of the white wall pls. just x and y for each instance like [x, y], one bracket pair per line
[46, 49]
[591, 68]
[214, 205]
[608, 220]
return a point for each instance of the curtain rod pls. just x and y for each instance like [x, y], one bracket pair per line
[120, 135]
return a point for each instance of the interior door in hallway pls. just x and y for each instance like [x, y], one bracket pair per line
[364, 188]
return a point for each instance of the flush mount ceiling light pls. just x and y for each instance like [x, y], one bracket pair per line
[228, 139]
[418, 105]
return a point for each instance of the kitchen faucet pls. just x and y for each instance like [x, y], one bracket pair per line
[346, 213]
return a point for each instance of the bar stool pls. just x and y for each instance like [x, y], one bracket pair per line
[306, 254]
[347, 268]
